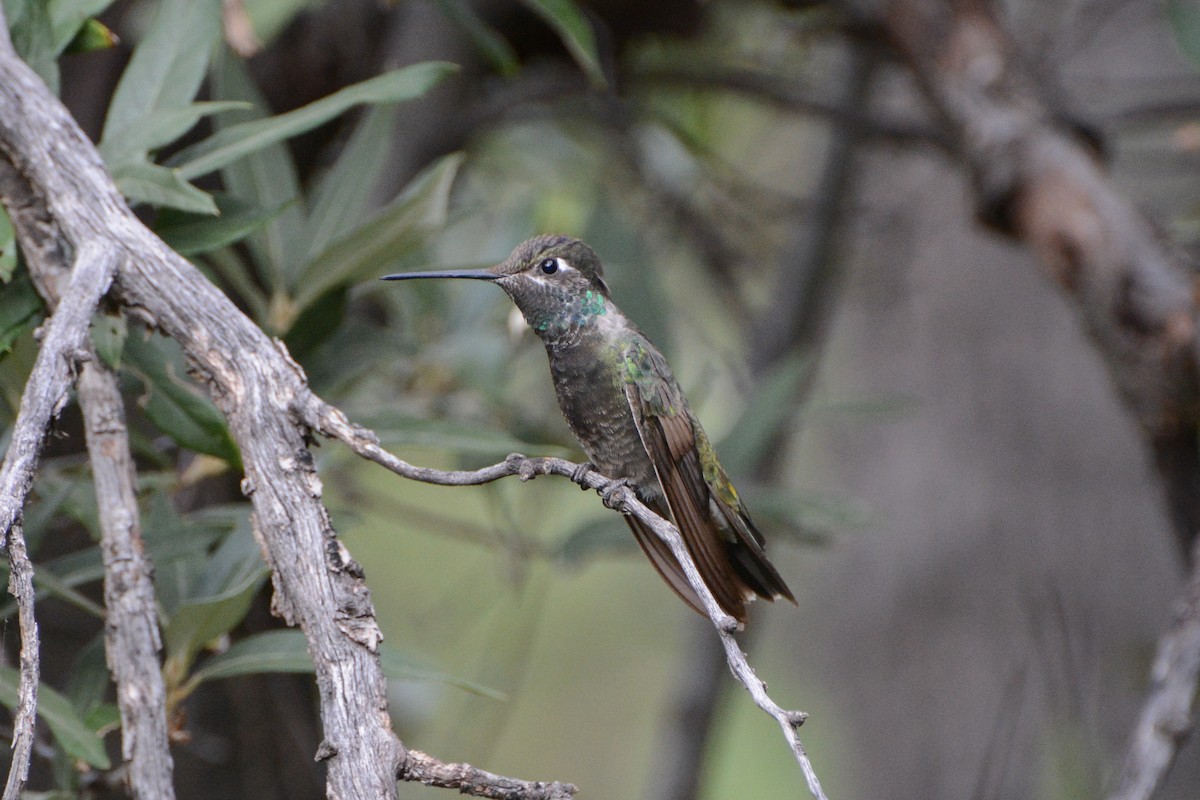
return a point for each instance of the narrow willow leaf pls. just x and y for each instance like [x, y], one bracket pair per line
[266, 179]
[575, 31]
[397, 230]
[189, 234]
[143, 182]
[287, 651]
[770, 406]
[69, 17]
[342, 194]
[93, 35]
[237, 141]
[270, 17]
[8, 248]
[175, 406]
[158, 128]
[21, 309]
[33, 38]
[65, 725]
[168, 65]
[219, 597]
[487, 40]
[108, 337]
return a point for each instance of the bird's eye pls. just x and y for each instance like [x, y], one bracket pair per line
[549, 266]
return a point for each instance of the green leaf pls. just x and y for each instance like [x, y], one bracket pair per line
[176, 407]
[594, 539]
[287, 651]
[487, 40]
[220, 598]
[70, 18]
[168, 65]
[65, 725]
[398, 229]
[143, 182]
[8, 248]
[230, 144]
[575, 31]
[46, 581]
[266, 179]
[21, 310]
[92, 36]
[189, 234]
[33, 38]
[89, 680]
[1184, 18]
[108, 337]
[270, 17]
[454, 436]
[340, 199]
[772, 404]
[157, 128]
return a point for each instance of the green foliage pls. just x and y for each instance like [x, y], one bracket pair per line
[287, 651]
[213, 599]
[486, 39]
[572, 26]
[68, 729]
[429, 367]
[237, 141]
[8, 248]
[1184, 16]
[20, 311]
[176, 407]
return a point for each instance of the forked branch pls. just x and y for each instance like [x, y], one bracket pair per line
[331, 422]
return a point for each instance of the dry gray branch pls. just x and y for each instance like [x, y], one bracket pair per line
[131, 624]
[57, 173]
[132, 638]
[330, 421]
[44, 397]
[419, 767]
[317, 585]
[1165, 720]
[56, 186]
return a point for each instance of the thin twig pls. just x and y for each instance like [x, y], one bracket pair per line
[44, 397]
[132, 638]
[419, 767]
[331, 422]
[1165, 720]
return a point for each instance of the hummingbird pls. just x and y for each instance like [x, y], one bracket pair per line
[622, 402]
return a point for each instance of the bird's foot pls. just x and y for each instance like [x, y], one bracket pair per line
[579, 475]
[613, 495]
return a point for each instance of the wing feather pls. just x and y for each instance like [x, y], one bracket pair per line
[668, 437]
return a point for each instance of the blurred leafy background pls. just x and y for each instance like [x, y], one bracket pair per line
[744, 169]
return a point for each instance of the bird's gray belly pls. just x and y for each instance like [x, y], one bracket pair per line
[594, 404]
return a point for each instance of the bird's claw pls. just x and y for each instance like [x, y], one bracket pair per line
[613, 495]
[579, 474]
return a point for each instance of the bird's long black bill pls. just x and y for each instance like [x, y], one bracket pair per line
[475, 274]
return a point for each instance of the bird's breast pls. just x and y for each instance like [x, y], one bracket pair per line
[592, 397]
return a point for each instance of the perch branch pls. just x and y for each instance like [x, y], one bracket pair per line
[331, 422]
[421, 768]
[1165, 719]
